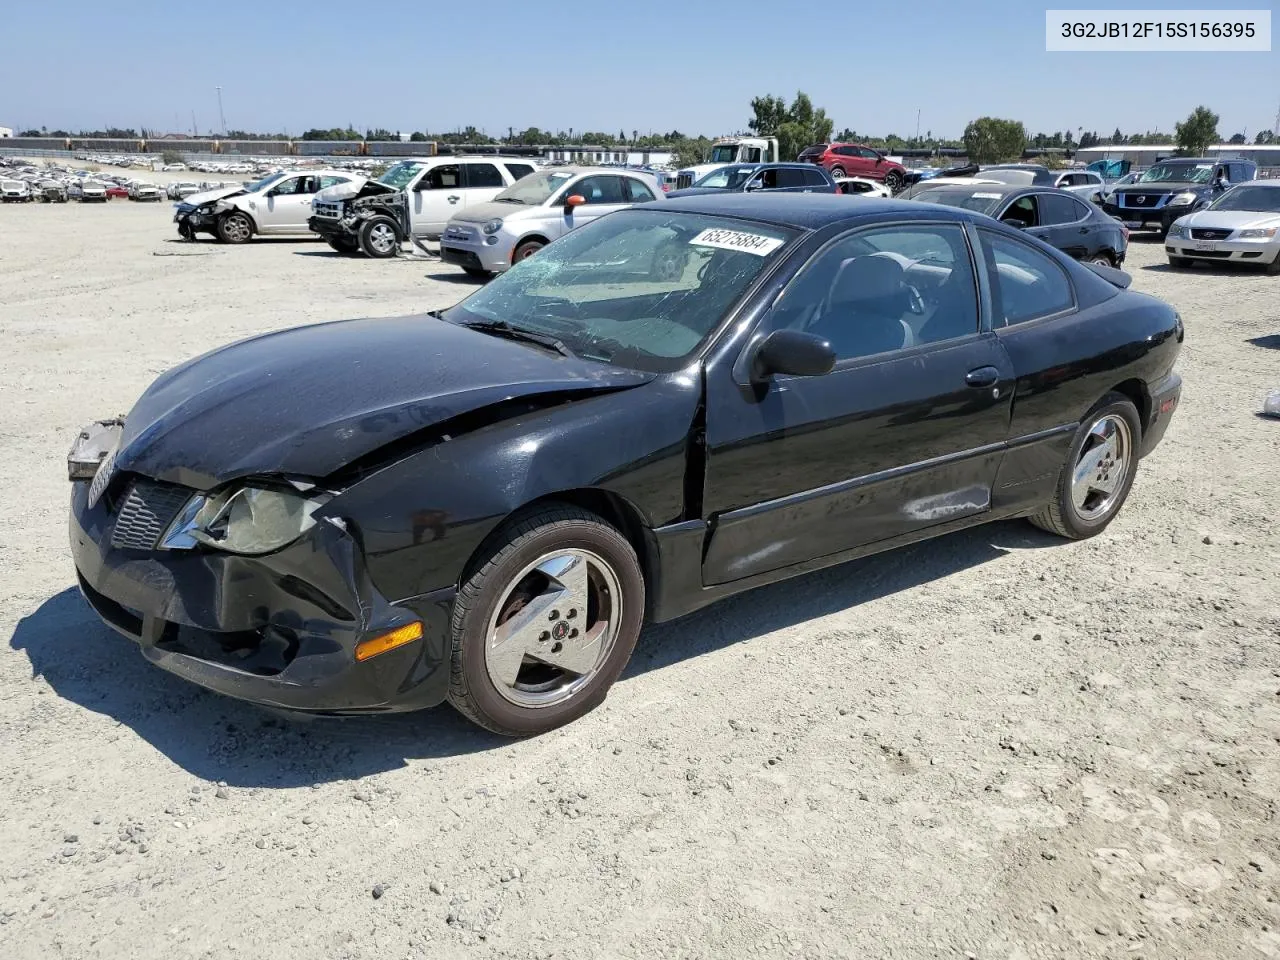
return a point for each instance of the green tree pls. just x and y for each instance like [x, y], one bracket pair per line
[796, 126]
[1117, 137]
[1265, 137]
[417, 137]
[992, 140]
[1237, 138]
[1194, 134]
[687, 151]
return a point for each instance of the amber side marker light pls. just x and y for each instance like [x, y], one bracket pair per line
[388, 641]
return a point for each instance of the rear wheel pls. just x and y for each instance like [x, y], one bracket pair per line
[1273, 268]
[1103, 259]
[1098, 473]
[379, 239]
[546, 623]
[235, 228]
[893, 180]
[837, 171]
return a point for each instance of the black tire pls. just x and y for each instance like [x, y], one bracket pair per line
[1060, 515]
[1272, 269]
[893, 180]
[380, 238]
[342, 245]
[837, 172]
[526, 250]
[520, 542]
[1178, 263]
[1104, 257]
[235, 227]
[477, 273]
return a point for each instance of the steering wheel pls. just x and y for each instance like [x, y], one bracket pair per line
[915, 301]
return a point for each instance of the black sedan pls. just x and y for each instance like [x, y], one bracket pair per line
[1077, 228]
[669, 405]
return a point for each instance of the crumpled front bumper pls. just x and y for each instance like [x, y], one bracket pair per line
[279, 630]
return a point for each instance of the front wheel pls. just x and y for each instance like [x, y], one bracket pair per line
[1098, 473]
[893, 180]
[545, 623]
[1179, 263]
[379, 239]
[235, 228]
[527, 250]
[837, 172]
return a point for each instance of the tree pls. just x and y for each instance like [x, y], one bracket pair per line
[796, 126]
[1265, 137]
[417, 137]
[687, 152]
[992, 140]
[1237, 138]
[1117, 137]
[1196, 132]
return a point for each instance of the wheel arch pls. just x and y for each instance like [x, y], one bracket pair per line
[253, 221]
[1136, 391]
[542, 239]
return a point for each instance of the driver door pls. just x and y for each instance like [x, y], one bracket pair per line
[603, 193]
[906, 432]
[286, 206]
[436, 197]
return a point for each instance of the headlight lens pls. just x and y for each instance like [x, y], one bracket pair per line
[1175, 230]
[492, 227]
[248, 520]
[1181, 198]
[1260, 233]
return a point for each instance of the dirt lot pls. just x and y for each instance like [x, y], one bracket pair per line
[994, 745]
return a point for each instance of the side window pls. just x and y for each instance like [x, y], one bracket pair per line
[333, 181]
[1027, 285]
[1060, 208]
[483, 175]
[444, 177]
[600, 189]
[1023, 210]
[813, 178]
[751, 154]
[286, 188]
[518, 170]
[868, 154]
[308, 184]
[884, 289]
[786, 177]
[637, 192]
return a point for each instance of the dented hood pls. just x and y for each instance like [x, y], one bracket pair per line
[308, 401]
[353, 189]
[196, 199]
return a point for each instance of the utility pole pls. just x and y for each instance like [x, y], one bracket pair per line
[917, 127]
[195, 131]
[221, 118]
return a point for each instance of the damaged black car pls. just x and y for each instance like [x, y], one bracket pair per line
[669, 405]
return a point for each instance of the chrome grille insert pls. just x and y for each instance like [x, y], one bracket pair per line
[146, 512]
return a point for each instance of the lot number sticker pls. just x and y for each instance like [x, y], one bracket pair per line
[736, 240]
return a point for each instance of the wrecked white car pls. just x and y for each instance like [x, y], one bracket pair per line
[278, 204]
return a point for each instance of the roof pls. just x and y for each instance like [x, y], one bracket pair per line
[1004, 189]
[808, 211]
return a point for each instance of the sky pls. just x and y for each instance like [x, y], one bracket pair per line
[692, 66]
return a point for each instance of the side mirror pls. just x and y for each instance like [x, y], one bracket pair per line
[793, 353]
[755, 185]
[575, 200]
[1016, 224]
[879, 160]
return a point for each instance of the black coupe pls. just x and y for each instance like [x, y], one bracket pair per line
[672, 404]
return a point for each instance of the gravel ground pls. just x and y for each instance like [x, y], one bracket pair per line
[993, 745]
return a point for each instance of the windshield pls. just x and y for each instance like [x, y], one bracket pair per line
[637, 288]
[1178, 173]
[725, 153]
[536, 188]
[398, 175]
[1249, 198]
[979, 201]
[726, 178]
[264, 182]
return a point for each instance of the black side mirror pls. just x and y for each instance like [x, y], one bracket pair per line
[1016, 224]
[793, 353]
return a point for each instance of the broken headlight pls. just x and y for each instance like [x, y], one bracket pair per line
[247, 519]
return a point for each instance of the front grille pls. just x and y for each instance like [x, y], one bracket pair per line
[330, 211]
[1142, 201]
[1212, 254]
[457, 233]
[1210, 234]
[684, 180]
[148, 508]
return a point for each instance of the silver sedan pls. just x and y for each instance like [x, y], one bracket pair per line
[1241, 226]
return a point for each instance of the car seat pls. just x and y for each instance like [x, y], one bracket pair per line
[862, 313]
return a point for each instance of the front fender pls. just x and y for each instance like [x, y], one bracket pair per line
[422, 518]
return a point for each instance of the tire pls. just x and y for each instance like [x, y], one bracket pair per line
[518, 695]
[526, 250]
[477, 273]
[1103, 258]
[1179, 263]
[893, 180]
[1272, 269]
[837, 171]
[235, 228]
[379, 238]
[343, 246]
[1077, 517]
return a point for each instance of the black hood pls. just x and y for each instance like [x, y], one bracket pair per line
[310, 400]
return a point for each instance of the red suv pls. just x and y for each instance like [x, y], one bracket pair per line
[855, 160]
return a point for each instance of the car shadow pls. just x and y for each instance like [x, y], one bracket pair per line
[221, 739]
[1270, 341]
[461, 279]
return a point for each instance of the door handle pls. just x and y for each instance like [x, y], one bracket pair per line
[982, 377]
[454, 199]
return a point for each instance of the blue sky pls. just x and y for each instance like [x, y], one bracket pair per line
[691, 65]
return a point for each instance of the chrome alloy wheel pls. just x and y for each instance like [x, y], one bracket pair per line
[382, 238]
[1105, 460]
[237, 228]
[553, 628]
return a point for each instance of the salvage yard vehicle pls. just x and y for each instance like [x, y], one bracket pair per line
[413, 198]
[180, 190]
[94, 191]
[15, 191]
[490, 509]
[487, 238]
[728, 150]
[144, 192]
[861, 186]
[1173, 188]
[766, 177]
[1241, 226]
[277, 205]
[1076, 227]
[856, 160]
[52, 191]
[1085, 184]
